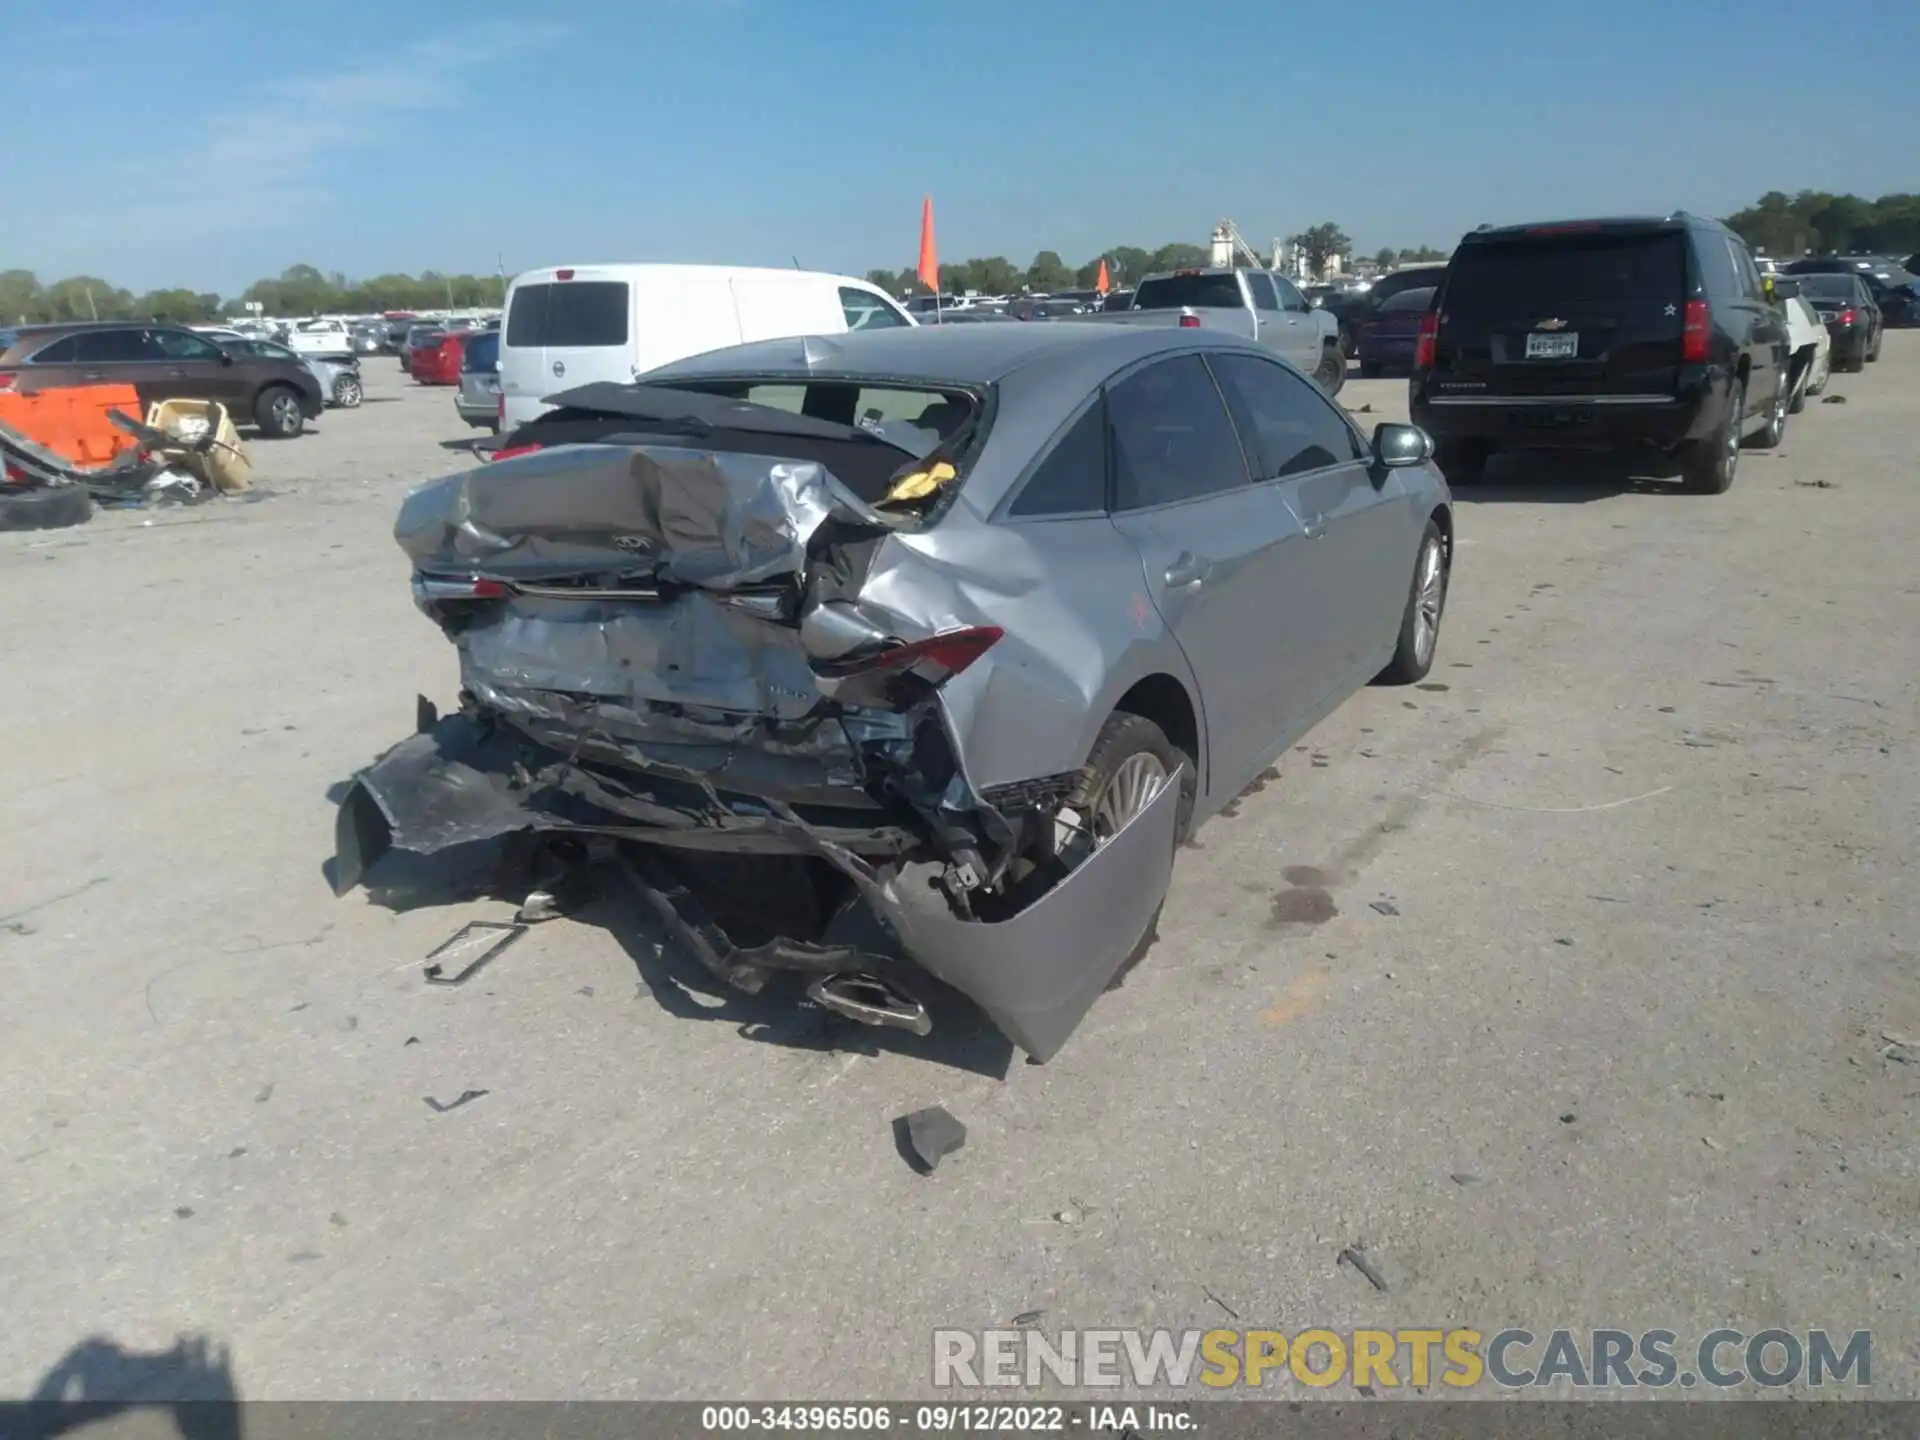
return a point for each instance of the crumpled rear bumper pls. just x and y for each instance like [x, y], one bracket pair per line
[1035, 974]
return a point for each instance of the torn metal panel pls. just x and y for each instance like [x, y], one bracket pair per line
[1037, 974]
[683, 516]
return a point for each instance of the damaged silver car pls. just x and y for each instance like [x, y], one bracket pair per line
[967, 628]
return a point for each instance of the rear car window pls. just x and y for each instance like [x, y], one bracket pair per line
[568, 314]
[1408, 300]
[1542, 270]
[1173, 292]
[483, 352]
[1827, 287]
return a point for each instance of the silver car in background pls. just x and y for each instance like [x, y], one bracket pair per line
[965, 628]
[478, 398]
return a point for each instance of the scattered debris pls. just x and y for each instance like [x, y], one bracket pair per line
[337, 1220]
[1666, 710]
[586, 990]
[1072, 1215]
[183, 1212]
[266, 1093]
[1366, 409]
[1231, 1312]
[303, 1257]
[539, 905]
[411, 1040]
[1027, 1318]
[236, 1152]
[1709, 1142]
[930, 1136]
[1568, 1118]
[466, 1097]
[474, 932]
[1463, 1179]
[1563, 940]
[1383, 907]
[1834, 400]
[1898, 1048]
[1357, 1258]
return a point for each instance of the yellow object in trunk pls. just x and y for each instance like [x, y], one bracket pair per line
[920, 484]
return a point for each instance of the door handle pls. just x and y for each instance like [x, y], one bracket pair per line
[1314, 526]
[1188, 571]
[93, 374]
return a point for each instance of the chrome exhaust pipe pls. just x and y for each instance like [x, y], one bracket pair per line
[870, 1001]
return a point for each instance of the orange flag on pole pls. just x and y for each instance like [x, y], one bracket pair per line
[1101, 284]
[929, 271]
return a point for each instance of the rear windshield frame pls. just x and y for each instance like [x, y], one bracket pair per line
[1495, 272]
[532, 324]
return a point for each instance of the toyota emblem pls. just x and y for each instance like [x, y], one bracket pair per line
[559, 367]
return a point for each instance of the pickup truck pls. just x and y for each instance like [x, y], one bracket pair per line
[317, 339]
[1258, 304]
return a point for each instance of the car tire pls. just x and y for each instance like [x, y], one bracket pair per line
[1873, 350]
[1463, 462]
[1332, 371]
[348, 392]
[1775, 429]
[276, 410]
[1122, 738]
[1369, 369]
[51, 507]
[1419, 638]
[1708, 465]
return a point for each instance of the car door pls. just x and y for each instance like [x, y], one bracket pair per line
[192, 367]
[118, 356]
[1347, 589]
[1270, 321]
[1767, 346]
[54, 365]
[1218, 552]
[1303, 329]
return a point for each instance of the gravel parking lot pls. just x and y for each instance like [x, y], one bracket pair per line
[1577, 985]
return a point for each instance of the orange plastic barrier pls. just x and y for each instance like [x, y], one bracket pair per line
[72, 421]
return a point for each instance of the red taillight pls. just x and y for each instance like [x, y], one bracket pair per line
[1189, 322]
[952, 652]
[1848, 316]
[6, 380]
[1427, 341]
[434, 589]
[1695, 331]
[512, 450]
[563, 274]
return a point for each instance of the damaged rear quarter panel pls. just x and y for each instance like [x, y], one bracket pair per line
[1071, 597]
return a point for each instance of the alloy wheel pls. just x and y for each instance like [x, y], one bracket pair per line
[1429, 600]
[287, 418]
[1130, 791]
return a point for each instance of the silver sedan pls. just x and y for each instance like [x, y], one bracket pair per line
[966, 627]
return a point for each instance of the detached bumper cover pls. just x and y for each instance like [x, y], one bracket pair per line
[1035, 974]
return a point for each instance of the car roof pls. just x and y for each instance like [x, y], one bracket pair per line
[1604, 225]
[971, 355]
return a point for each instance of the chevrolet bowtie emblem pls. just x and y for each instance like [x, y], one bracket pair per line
[1550, 325]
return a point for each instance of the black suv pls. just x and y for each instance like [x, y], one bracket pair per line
[1603, 335]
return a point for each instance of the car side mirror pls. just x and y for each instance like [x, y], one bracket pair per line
[226, 357]
[1395, 446]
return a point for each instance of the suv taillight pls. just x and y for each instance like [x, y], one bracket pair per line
[1695, 331]
[1848, 316]
[1427, 342]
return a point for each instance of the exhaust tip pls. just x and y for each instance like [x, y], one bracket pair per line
[871, 1002]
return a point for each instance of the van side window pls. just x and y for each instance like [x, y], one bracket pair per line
[866, 311]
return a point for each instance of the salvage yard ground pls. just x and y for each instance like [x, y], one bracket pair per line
[1578, 985]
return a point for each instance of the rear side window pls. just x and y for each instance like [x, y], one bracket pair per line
[1264, 296]
[483, 353]
[1717, 271]
[1171, 437]
[60, 352]
[1542, 271]
[1174, 292]
[568, 314]
[1289, 426]
[1072, 480]
[114, 347]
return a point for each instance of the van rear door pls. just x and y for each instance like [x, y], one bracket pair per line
[1564, 310]
[564, 328]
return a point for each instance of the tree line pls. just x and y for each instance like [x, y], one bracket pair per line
[299, 290]
[1816, 221]
[1126, 264]
[1778, 224]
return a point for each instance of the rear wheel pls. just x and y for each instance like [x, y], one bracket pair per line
[1707, 465]
[1879, 339]
[1426, 603]
[347, 393]
[1463, 462]
[1775, 429]
[1332, 373]
[277, 412]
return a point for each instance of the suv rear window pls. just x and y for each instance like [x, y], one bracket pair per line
[1173, 292]
[568, 314]
[1526, 274]
[483, 353]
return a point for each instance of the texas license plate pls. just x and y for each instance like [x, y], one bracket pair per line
[1552, 347]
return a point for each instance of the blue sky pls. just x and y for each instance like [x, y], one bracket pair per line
[209, 142]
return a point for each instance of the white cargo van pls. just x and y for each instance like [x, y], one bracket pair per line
[576, 324]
